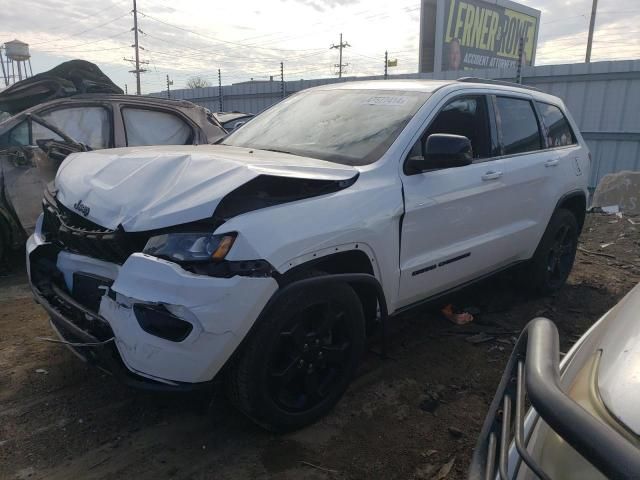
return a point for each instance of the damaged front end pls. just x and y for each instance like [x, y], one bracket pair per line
[142, 274]
[75, 319]
[152, 323]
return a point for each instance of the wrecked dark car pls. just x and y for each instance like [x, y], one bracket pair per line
[34, 142]
[232, 120]
[65, 80]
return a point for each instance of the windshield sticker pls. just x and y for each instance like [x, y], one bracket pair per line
[388, 101]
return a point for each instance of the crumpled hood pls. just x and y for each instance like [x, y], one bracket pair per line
[146, 188]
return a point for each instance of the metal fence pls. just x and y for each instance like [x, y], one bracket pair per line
[603, 97]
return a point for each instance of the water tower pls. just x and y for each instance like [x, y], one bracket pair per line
[18, 57]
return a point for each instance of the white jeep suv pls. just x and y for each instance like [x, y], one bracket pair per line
[266, 260]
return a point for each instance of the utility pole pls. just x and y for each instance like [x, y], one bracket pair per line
[592, 25]
[136, 61]
[282, 79]
[340, 47]
[386, 63]
[126, 91]
[169, 82]
[220, 102]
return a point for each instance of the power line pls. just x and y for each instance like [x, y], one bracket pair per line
[66, 49]
[82, 31]
[87, 51]
[223, 41]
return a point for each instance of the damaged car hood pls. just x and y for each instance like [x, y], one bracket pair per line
[147, 188]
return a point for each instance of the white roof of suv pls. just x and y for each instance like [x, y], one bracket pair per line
[429, 86]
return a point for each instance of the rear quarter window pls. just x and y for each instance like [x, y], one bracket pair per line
[155, 127]
[557, 130]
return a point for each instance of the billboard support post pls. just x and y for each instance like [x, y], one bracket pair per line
[520, 58]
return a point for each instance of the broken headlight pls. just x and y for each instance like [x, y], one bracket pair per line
[190, 247]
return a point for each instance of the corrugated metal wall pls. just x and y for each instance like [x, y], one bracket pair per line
[603, 97]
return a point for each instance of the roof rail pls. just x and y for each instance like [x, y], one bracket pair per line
[496, 82]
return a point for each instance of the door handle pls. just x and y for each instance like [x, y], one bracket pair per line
[491, 175]
[552, 163]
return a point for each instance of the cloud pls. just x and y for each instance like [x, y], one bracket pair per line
[323, 5]
[251, 40]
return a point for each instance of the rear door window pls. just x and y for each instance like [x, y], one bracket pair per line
[518, 125]
[88, 125]
[556, 126]
[154, 127]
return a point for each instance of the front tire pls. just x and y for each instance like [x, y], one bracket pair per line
[300, 358]
[552, 262]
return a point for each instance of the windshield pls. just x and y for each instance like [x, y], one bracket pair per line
[352, 127]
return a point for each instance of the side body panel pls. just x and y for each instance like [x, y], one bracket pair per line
[458, 222]
[534, 187]
[456, 228]
[366, 216]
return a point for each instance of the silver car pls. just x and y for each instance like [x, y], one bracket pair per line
[585, 417]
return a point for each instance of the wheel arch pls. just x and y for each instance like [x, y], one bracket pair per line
[576, 203]
[353, 259]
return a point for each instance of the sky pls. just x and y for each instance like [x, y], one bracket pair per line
[248, 39]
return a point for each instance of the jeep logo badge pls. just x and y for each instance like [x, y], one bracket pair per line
[82, 208]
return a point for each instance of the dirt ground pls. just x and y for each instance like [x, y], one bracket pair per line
[61, 419]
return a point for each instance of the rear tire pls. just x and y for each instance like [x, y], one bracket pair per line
[552, 262]
[300, 358]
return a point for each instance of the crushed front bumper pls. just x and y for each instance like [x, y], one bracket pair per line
[220, 310]
[97, 350]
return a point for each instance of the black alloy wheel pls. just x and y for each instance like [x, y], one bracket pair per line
[552, 262]
[561, 256]
[308, 360]
[300, 357]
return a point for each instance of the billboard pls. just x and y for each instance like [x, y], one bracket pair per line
[470, 34]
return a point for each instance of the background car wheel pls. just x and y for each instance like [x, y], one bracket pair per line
[300, 358]
[552, 262]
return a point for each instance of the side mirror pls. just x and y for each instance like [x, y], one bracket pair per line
[442, 150]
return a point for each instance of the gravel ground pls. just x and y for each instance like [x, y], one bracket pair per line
[61, 419]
